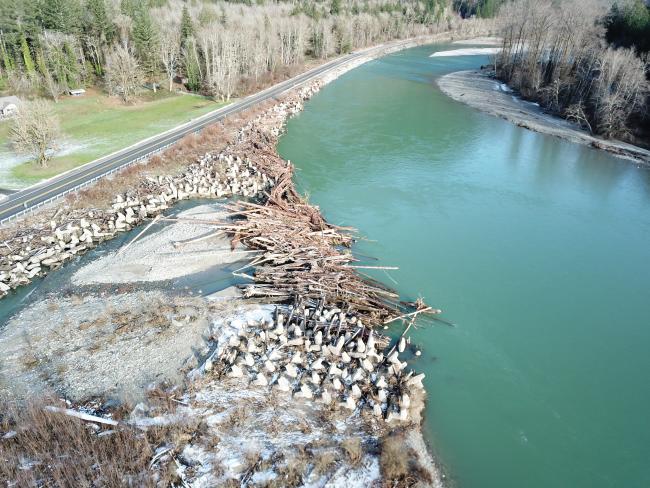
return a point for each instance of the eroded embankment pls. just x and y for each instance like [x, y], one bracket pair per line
[478, 89]
[300, 394]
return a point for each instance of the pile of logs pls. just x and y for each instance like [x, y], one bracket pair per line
[301, 253]
[318, 352]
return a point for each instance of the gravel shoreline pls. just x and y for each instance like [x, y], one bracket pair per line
[479, 90]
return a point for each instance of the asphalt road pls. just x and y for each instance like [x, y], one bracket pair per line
[28, 198]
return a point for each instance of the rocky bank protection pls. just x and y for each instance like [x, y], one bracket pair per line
[312, 361]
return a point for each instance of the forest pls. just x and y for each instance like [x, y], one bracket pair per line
[217, 48]
[586, 60]
[582, 59]
[477, 8]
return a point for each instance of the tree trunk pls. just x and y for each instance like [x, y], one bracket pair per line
[42, 159]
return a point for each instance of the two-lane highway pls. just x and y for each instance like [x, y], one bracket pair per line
[20, 202]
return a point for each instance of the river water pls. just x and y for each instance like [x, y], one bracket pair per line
[538, 250]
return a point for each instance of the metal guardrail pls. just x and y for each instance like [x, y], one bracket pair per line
[64, 193]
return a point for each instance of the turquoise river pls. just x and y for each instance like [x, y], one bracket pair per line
[538, 250]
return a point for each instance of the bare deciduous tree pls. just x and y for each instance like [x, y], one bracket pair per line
[123, 74]
[221, 47]
[222, 61]
[35, 130]
[553, 52]
[21, 84]
[618, 90]
[124, 24]
[51, 86]
[576, 113]
[169, 48]
[236, 43]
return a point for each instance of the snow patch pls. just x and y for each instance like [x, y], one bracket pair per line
[489, 41]
[364, 475]
[469, 51]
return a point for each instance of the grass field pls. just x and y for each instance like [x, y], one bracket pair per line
[96, 125]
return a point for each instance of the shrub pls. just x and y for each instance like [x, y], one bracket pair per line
[40, 448]
[393, 462]
[353, 450]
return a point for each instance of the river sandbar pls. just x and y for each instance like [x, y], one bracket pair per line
[479, 90]
[180, 249]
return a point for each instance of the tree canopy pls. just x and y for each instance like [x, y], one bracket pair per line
[49, 46]
[628, 25]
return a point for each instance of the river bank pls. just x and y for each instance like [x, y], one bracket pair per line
[519, 236]
[327, 368]
[227, 389]
[479, 90]
[46, 239]
[123, 318]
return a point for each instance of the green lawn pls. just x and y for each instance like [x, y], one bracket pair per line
[95, 125]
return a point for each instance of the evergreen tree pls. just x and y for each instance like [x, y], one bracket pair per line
[187, 28]
[53, 16]
[145, 39]
[28, 62]
[53, 60]
[20, 17]
[71, 65]
[488, 8]
[48, 82]
[60, 15]
[99, 24]
[9, 17]
[40, 63]
[629, 26]
[335, 7]
[433, 10]
[192, 68]
[100, 33]
[7, 61]
[129, 7]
